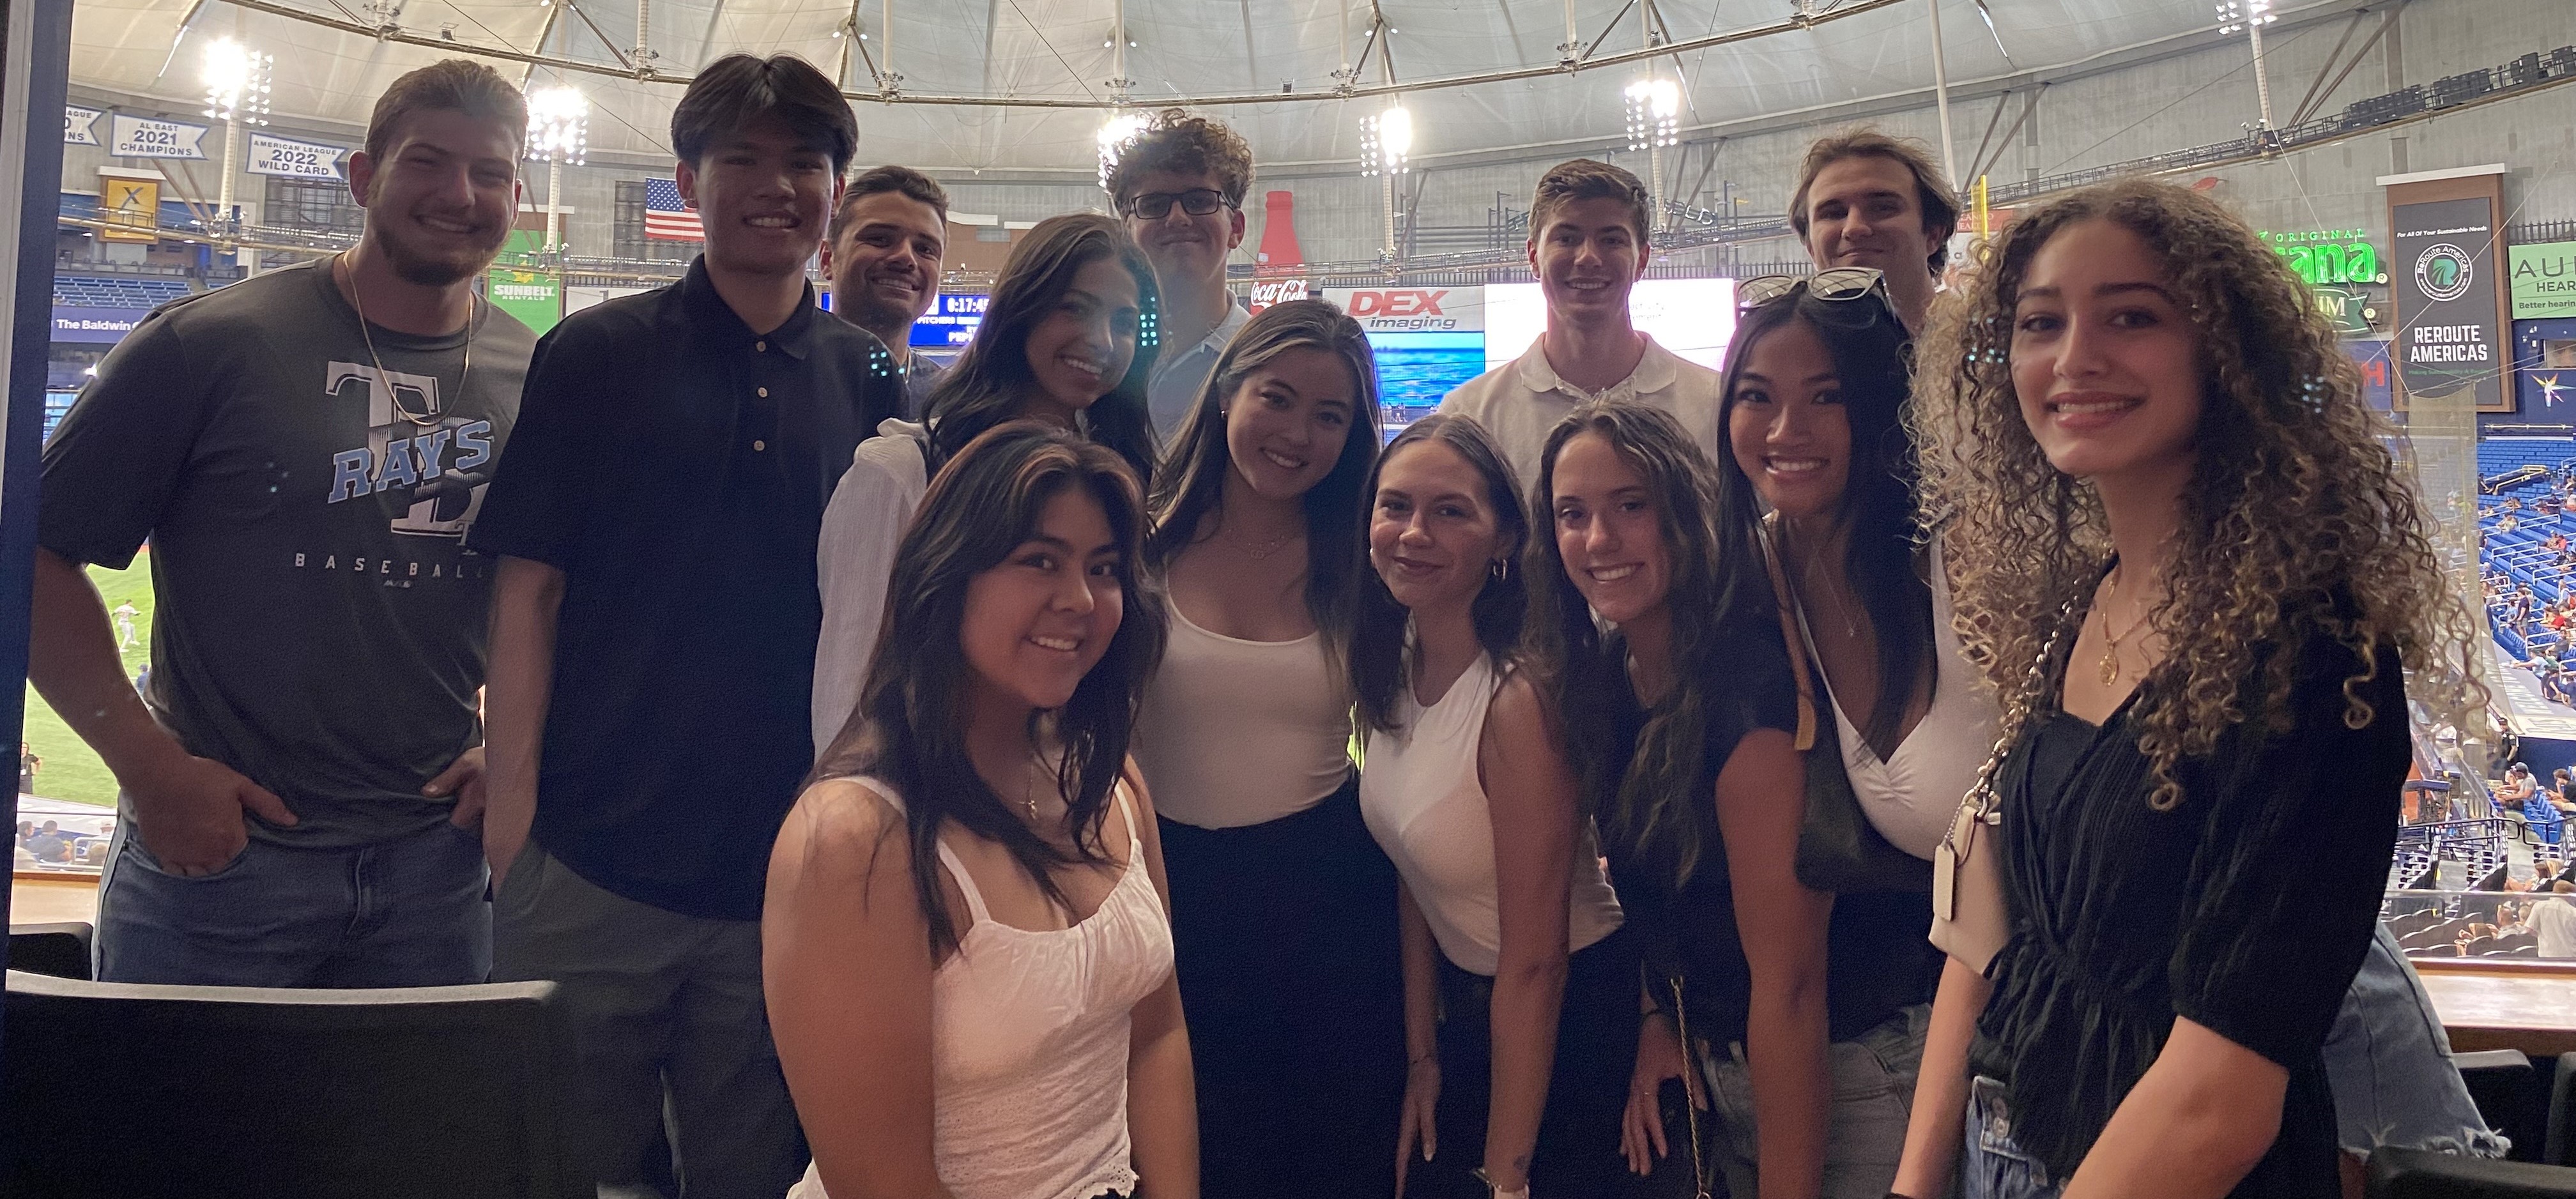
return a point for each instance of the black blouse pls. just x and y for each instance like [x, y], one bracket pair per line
[2246, 909]
[1877, 957]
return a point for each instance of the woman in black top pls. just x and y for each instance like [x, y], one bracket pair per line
[1677, 726]
[2158, 462]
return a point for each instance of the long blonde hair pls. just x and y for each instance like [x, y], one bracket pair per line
[2297, 519]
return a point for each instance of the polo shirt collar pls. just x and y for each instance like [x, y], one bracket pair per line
[707, 310]
[1216, 340]
[1654, 372]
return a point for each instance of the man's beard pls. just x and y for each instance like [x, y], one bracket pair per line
[426, 268]
[862, 308]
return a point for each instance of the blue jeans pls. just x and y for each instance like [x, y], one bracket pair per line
[1873, 1080]
[2389, 1064]
[409, 912]
[1992, 1166]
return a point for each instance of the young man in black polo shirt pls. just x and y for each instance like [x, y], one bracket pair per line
[654, 621]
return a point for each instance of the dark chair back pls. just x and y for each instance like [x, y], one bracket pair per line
[128, 1090]
[2424, 1174]
[2512, 1096]
[61, 950]
[2559, 1148]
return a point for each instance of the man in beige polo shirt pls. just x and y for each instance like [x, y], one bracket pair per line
[1588, 245]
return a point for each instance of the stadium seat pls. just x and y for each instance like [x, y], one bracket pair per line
[2422, 1174]
[124, 1090]
[59, 950]
[2512, 1096]
[82, 291]
[2559, 1147]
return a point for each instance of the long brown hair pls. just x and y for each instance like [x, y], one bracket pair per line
[1191, 483]
[991, 382]
[1381, 665]
[1647, 794]
[2294, 499]
[909, 729]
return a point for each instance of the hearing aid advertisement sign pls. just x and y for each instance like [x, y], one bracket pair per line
[2444, 277]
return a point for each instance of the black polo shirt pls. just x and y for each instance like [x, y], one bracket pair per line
[675, 465]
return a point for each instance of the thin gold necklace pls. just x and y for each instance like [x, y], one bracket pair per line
[1262, 550]
[393, 395]
[2110, 666]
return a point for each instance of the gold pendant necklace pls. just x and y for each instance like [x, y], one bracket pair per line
[2110, 667]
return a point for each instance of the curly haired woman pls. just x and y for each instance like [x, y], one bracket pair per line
[2165, 489]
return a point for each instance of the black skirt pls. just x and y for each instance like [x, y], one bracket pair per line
[1587, 1091]
[1285, 942]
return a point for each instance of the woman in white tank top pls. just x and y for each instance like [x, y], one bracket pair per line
[966, 945]
[1520, 991]
[1283, 908]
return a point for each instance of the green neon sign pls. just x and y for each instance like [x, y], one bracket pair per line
[2328, 257]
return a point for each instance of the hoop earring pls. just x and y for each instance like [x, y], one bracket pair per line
[1499, 569]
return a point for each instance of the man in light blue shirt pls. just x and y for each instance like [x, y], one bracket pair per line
[1179, 184]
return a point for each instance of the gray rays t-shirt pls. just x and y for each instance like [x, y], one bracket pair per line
[318, 622]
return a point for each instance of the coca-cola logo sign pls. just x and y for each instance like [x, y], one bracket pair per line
[1277, 291]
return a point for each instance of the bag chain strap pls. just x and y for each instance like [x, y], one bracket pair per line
[1982, 796]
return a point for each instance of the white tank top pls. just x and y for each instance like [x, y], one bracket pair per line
[1028, 1041]
[1911, 797]
[1232, 732]
[1425, 804]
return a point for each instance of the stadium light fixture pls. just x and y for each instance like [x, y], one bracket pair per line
[1654, 113]
[558, 133]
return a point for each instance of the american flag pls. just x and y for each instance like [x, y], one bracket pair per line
[665, 218]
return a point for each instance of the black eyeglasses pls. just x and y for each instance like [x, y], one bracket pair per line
[1837, 285]
[1198, 201]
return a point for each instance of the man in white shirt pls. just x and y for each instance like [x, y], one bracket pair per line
[2553, 920]
[1869, 200]
[1179, 185]
[1587, 246]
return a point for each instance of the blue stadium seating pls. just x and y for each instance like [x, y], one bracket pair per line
[83, 291]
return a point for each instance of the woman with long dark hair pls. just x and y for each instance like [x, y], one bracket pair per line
[1812, 431]
[1679, 723]
[965, 947]
[1067, 338]
[2199, 579]
[1508, 920]
[1284, 909]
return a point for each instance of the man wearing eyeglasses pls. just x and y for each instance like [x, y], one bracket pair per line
[1180, 186]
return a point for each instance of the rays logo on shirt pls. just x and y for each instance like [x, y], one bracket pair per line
[443, 461]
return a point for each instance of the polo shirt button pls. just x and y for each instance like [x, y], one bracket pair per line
[761, 346]
[759, 445]
[764, 393]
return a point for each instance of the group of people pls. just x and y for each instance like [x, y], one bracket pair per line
[1026, 691]
[2544, 809]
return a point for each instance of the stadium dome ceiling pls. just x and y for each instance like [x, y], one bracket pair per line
[1039, 73]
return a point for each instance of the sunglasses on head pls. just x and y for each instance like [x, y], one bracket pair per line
[1198, 201]
[1836, 285]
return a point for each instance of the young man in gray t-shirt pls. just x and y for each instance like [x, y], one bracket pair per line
[301, 781]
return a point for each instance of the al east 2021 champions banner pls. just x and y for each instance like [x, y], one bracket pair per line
[2449, 289]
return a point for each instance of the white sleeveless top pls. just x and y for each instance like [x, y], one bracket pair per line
[1028, 1041]
[1911, 797]
[1232, 732]
[1425, 804]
